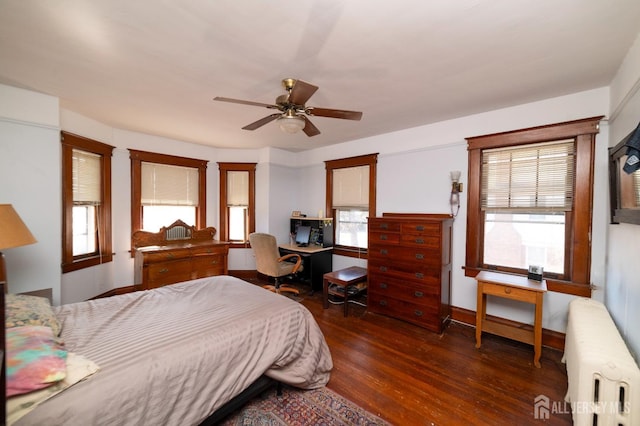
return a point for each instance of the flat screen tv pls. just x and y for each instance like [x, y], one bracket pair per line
[302, 236]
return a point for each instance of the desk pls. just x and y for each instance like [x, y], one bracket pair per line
[344, 278]
[317, 261]
[512, 287]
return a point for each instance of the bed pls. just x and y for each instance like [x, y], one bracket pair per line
[177, 354]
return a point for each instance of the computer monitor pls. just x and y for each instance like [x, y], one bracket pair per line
[302, 235]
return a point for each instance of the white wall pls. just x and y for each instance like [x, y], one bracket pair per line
[622, 294]
[413, 176]
[30, 177]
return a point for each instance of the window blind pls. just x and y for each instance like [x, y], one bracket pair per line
[534, 177]
[85, 178]
[237, 188]
[167, 185]
[351, 187]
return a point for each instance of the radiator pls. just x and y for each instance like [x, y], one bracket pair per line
[604, 379]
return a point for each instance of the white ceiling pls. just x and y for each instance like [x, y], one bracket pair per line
[154, 66]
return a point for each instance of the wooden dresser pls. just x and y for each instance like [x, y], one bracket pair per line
[177, 253]
[409, 268]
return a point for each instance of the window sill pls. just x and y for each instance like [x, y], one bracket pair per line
[86, 263]
[350, 252]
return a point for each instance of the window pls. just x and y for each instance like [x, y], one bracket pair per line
[530, 197]
[351, 199]
[165, 188]
[86, 202]
[237, 202]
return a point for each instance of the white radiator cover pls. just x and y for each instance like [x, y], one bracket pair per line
[604, 379]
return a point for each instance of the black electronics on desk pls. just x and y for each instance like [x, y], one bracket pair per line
[321, 230]
[303, 233]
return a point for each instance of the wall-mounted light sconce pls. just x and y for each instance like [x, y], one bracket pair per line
[456, 189]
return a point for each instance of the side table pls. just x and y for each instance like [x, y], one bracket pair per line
[512, 287]
[343, 278]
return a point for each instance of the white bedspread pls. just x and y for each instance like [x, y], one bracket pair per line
[173, 355]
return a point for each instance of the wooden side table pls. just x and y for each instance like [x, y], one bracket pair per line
[343, 278]
[512, 287]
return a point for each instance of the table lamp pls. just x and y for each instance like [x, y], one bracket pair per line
[13, 233]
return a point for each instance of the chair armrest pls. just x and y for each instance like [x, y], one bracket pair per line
[289, 256]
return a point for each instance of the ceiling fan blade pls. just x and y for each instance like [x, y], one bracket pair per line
[334, 113]
[238, 101]
[301, 92]
[309, 128]
[261, 122]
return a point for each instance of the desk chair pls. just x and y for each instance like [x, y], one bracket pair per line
[270, 263]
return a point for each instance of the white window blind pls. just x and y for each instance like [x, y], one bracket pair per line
[351, 187]
[167, 185]
[237, 188]
[85, 178]
[534, 177]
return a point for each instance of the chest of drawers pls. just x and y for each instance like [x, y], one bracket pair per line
[156, 266]
[409, 268]
[176, 253]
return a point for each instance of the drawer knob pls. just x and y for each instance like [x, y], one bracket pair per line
[163, 271]
[419, 256]
[418, 294]
[383, 303]
[419, 275]
[417, 313]
[384, 226]
[384, 251]
[383, 236]
[383, 268]
[419, 241]
[214, 262]
[170, 256]
[507, 290]
[420, 227]
[383, 285]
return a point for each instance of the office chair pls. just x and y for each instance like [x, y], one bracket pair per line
[270, 263]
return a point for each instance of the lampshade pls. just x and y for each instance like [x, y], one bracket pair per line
[291, 123]
[13, 231]
[455, 175]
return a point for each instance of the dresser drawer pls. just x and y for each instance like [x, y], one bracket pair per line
[420, 228]
[377, 224]
[164, 256]
[199, 251]
[421, 274]
[404, 290]
[424, 255]
[418, 240]
[422, 315]
[160, 274]
[206, 266]
[384, 238]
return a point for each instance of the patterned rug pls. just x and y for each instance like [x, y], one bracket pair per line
[299, 407]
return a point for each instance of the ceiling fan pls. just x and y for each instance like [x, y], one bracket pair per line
[293, 111]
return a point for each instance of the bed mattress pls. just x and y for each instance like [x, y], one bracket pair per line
[173, 355]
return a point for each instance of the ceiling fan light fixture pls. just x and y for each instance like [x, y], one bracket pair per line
[291, 122]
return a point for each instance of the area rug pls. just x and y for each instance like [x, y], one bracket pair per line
[299, 407]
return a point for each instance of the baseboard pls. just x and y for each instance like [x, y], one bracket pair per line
[550, 338]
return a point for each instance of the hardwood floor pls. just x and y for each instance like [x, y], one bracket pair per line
[411, 376]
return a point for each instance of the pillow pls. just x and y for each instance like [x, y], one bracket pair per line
[35, 359]
[22, 309]
[78, 369]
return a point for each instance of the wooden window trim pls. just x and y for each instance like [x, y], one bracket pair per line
[578, 258]
[224, 215]
[370, 160]
[137, 158]
[70, 142]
